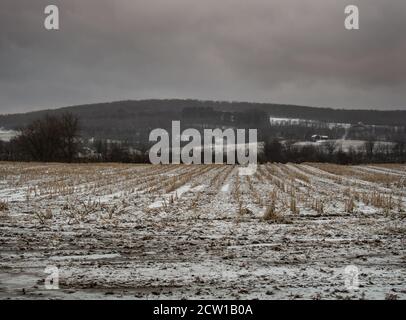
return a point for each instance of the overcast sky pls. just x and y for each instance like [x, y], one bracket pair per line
[284, 51]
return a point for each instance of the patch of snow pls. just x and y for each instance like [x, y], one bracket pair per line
[7, 135]
[86, 257]
[225, 188]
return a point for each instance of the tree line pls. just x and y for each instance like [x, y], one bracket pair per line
[331, 152]
[50, 139]
[56, 138]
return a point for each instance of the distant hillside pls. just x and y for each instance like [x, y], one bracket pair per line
[124, 119]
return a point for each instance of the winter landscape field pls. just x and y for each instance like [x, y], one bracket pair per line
[289, 231]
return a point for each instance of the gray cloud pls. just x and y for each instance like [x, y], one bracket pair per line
[290, 51]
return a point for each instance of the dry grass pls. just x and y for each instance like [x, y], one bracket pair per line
[3, 206]
[293, 205]
[288, 187]
[350, 205]
[380, 200]
[44, 215]
[400, 205]
[237, 194]
[293, 174]
[386, 179]
[318, 206]
[254, 192]
[270, 213]
[271, 174]
[81, 210]
[334, 168]
[181, 180]
[195, 202]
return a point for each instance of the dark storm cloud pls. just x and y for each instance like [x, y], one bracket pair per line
[290, 51]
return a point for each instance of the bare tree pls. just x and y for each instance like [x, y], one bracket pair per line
[369, 149]
[51, 138]
[330, 146]
[69, 140]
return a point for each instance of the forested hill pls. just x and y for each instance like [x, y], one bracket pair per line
[124, 116]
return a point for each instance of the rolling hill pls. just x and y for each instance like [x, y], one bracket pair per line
[127, 119]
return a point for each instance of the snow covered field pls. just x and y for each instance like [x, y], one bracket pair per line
[7, 135]
[345, 145]
[176, 231]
